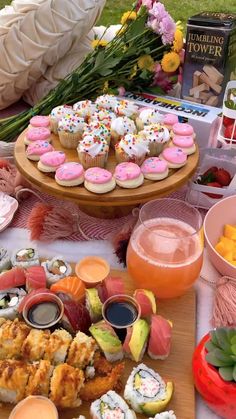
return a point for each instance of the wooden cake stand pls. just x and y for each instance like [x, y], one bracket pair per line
[113, 204]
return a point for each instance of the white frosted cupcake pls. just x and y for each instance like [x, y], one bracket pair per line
[120, 127]
[85, 109]
[99, 180]
[70, 130]
[131, 148]
[148, 116]
[98, 129]
[107, 102]
[126, 108]
[93, 151]
[157, 136]
[58, 113]
[103, 116]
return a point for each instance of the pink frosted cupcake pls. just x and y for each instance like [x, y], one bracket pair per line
[154, 168]
[58, 113]
[70, 130]
[40, 121]
[93, 151]
[85, 109]
[36, 149]
[99, 130]
[128, 175]
[174, 156]
[157, 136]
[131, 148]
[126, 108]
[49, 162]
[120, 127]
[99, 180]
[70, 174]
[37, 134]
[170, 119]
[186, 143]
[148, 116]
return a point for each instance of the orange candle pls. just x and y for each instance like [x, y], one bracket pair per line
[92, 270]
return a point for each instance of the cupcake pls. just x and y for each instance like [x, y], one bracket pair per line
[85, 109]
[107, 102]
[70, 174]
[186, 143]
[70, 130]
[131, 148]
[49, 162]
[99, 180]
[120, 127]
[154, 168]
[174, 156]
[128, 175]
[93, 151]
[157, 136]
[58, 113]
[170, 119]
[36, 149]
[40, 121]
[98, 129]
[103, 116]
[148, 116]
[37, 134]
[126, 108]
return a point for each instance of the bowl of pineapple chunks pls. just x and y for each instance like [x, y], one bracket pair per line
[220, 236]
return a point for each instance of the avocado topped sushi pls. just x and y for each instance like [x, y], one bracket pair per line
[107, 341]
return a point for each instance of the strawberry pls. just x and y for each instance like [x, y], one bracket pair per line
[208, 176]
[230, 132]
[223, 177]
[227, 121]
[214, 185]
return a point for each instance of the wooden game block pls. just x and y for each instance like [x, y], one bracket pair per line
[195, 91]
[204, 96]
[205, 79]
[196, 78]
[213, 73]
[212, 101]
[192, 99]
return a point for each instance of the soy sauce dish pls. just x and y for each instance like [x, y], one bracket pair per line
[43, 310]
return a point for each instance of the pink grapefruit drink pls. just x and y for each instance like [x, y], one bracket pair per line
[165, 255]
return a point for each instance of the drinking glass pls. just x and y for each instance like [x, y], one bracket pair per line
[165, 251]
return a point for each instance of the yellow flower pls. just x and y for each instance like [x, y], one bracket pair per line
[99, 43]
[179, 25]
[178, 40]
[105, 87]
[146, 62]
[133, 72]
[170, 62]
[128, 16]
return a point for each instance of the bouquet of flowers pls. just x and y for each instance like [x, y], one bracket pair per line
[145, 55]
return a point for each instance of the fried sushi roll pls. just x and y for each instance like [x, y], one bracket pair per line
[57, 346]
[13, 380]
[12, 336]
[66, 383]
[35, 345]
[81, 352]
[39, 379]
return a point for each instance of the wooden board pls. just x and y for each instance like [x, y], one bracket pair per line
[177, 367]
[118, 197]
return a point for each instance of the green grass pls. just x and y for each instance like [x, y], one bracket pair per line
[179, 9]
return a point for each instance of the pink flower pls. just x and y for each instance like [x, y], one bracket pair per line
[162, 80]
[158, 10]
[148, 3]
[157, 68]
[167, 29]
[154, 24]
[121, 91]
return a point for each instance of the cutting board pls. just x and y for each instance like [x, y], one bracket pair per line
[177, 367]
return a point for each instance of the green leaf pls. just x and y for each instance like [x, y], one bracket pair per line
[156, 90]
[222, 338]
[226, 373]
[233, 349]
[233, 339]
[214, 338]
[211, 358]
[136, 27]
[99, 59]
[210, 346]
[222, 356]
[115, 61]
[231, 334]
[105, 72]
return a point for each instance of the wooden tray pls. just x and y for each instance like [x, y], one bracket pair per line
[177, 367]
[110, 205]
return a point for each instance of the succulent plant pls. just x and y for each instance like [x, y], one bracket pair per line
[222, 352]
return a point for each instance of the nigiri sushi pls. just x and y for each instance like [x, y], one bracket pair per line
[5, 261]
[12, 279]
[135, 342]
[56, 269]
[111, 405]
[107, 340]
[9, 302]
[160, 337]
[147, 301]
[146, 391]
[109, 287]
[25, 257]
[76, 316]
[70, 285]
[35, 278]
[93, 304]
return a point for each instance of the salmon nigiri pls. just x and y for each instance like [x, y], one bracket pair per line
[70, 285]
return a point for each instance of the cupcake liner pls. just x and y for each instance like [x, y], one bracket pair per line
[115, 138]
[155, 148]
[69, 140]
[122, 157]
[87, 161]
[139, 124]
[54, 125]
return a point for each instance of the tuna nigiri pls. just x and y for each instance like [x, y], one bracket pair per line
[147, 301]
[160, 337]
[111, 286]
[41, 298]
[70, 285]
[12, 279]
[35, 278]
[76, 316]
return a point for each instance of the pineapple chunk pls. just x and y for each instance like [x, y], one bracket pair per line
[224, 247]
[228, 256]
[233, 262]
[230, 232]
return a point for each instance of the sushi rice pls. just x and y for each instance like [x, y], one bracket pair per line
[9, 302]
[55, 269]
[5, 261]
[111, 406]
[144, 385]
[25, 257]
[165, 415]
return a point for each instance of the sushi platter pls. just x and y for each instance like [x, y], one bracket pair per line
[176, 368]
[109, 205]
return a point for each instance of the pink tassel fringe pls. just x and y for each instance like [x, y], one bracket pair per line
[224, 308]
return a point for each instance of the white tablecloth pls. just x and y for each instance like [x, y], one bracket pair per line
[15, 238]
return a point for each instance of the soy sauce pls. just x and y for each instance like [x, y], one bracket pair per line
[43, 314]
[121, 314]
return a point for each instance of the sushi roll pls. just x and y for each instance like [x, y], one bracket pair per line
[9, 302]
[135, 342]
[81, 351]
[12, 336]
[93, 304]
[13, 380]
[57, 346]
[160, 337]
[165, 415]
[65, 386]
[146, 391]
[35, 344]
[56, 269]
[147, 302]
[5, 260]
[107, 341]
[111, 405]
[25, 257]
[39, 379]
